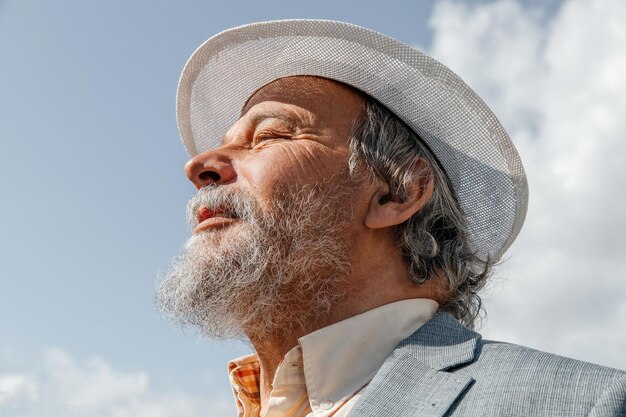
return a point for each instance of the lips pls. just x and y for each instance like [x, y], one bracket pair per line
[217, 217]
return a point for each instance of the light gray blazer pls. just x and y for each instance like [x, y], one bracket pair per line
[445, 369]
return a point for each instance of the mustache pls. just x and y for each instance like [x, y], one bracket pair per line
[233, 201]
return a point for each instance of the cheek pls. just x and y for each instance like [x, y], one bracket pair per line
[289, 166]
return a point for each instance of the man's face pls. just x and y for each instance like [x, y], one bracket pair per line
[275, 215]
[293, 131]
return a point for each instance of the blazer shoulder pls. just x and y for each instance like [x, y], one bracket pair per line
[524, 359]
[511, 377]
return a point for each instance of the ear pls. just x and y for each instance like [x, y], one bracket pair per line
[386, 211]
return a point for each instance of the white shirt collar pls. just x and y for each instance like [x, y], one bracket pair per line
[341, 358]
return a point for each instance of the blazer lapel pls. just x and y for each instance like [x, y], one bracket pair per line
[413, 380]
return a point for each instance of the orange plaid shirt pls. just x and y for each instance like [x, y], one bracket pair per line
[325, 374]
[245, 379]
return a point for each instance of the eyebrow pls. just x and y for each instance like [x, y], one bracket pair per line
[259, 117]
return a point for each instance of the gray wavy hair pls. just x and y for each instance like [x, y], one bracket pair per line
[435, 239]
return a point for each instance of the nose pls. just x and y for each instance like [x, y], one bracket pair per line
[210, 167]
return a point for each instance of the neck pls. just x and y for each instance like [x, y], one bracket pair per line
[270, 356]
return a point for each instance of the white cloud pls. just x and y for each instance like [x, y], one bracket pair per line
[558, 85]
[17, 387]
[65, 388]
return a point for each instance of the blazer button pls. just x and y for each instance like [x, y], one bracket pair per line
[326, 405]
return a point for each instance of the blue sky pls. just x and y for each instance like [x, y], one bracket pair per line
[94, 192]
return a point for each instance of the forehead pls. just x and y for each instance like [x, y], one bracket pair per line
[318, 95]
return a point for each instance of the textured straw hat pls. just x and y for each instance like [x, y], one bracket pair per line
[470, 143]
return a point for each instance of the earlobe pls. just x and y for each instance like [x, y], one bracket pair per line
[387, 210]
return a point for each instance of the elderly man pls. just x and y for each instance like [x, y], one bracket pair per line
[353, 195]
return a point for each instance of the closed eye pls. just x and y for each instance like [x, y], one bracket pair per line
[266, 136]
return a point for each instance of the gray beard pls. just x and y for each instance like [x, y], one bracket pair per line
[269, 274]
